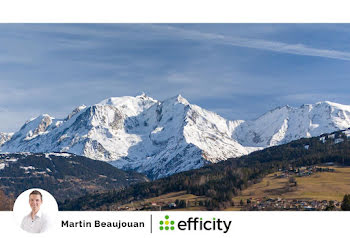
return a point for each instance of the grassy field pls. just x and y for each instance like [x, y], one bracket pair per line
[164, 200]
[319, 186]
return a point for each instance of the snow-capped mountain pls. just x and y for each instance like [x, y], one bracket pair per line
[156, 138]
[160, 138]
[285, 124]
[5, 137]
[177, 136]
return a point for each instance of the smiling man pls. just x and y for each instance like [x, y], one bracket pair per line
[35, 221]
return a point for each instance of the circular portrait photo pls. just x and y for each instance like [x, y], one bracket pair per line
[35, 210]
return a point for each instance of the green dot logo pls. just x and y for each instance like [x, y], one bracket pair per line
[166, 224]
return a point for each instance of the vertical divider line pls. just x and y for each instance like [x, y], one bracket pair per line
[151, 223]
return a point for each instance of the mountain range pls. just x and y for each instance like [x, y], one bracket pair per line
[160, 138]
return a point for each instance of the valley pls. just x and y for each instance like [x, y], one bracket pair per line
[312, 192]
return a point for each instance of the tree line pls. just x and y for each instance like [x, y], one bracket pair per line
[224, 180]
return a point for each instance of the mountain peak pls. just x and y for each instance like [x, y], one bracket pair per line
[179, 99]
[34, 127]
[75, 111]
[311, 106]
[334, 105]
[115, 101]
[331, 103]
[182, 99]
[130, 106]
[161, 138]
[143, 95]
[324, 103]
[39, 118]
[285, 124]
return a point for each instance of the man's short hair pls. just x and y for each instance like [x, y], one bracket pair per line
[36, 192]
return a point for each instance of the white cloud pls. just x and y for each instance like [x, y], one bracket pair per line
[297, 49]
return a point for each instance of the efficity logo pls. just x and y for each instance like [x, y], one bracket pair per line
[195, 224]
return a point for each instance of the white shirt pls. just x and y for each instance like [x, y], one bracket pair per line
[36, 225]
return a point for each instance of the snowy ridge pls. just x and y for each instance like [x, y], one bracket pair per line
[177, 136]
[160, 138]
[5, 137]
[285, 124]
[139, 133]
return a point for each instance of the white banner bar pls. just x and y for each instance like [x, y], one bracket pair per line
[187, 224]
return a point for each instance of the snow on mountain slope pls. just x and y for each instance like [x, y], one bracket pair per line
[96, 131]
[285, 124]
[160, 138]
[130, 106]
[140, 133]
[211, 133]
[5, 137]
[177, 136]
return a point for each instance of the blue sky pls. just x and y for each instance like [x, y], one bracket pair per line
[237, 70]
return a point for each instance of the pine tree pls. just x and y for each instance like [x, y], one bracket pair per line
[345, 205]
